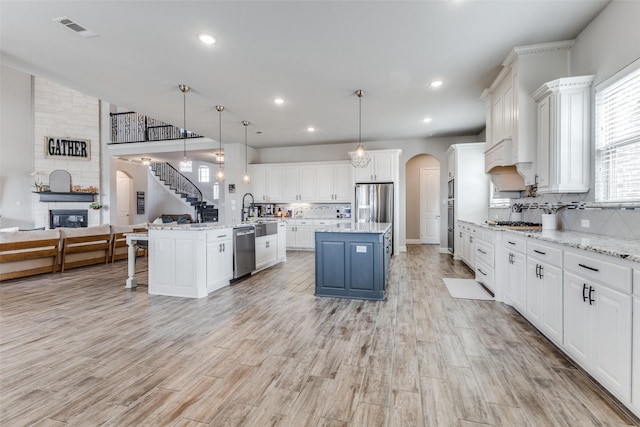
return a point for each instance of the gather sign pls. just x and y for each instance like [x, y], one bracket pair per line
[67, 147]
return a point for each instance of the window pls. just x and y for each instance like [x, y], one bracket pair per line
[216, 191]
[203, 174]
[618, 138]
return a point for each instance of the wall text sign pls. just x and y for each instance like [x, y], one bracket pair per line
[67, 147]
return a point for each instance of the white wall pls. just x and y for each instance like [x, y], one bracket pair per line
[16, 149]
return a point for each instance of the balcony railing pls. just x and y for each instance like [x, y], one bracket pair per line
[135, 127]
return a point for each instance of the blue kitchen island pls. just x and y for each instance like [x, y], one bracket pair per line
[352, 260]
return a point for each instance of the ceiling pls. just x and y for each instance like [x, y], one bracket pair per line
[313, 54]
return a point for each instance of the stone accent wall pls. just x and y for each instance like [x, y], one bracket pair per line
[63, 112]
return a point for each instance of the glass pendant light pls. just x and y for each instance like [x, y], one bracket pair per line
[220, 174]
[185, 165]
[246, 179]
[360, 158]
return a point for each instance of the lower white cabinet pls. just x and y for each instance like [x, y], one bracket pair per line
[282, 241]
[466, 244]
[597, 325]
[266, 251]
[219, 258]
[544, 291]
[189, 263]
[513, 264]
[301, 234]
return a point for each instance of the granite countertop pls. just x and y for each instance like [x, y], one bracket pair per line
[357, 227]
[628, 249]
[189, 227]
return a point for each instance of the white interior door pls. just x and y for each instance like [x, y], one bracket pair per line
[429, 206]
[124, 189]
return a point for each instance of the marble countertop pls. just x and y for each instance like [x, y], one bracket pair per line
[628, 249]
[357, 227]
[189, 227]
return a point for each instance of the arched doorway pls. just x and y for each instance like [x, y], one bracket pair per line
[124, 197]
[422, 200]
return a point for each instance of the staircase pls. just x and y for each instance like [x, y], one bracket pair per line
[187, 190]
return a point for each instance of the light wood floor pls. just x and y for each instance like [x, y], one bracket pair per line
[80, 349]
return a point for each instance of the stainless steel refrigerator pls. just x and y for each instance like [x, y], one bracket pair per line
[374, 203]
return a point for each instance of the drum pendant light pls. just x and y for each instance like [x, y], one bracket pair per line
[185, 165]
[360, 158]
[246, 179]
[220, 174]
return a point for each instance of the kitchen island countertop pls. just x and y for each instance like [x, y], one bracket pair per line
[357, 227]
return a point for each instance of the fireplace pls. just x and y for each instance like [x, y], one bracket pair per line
[68, 218]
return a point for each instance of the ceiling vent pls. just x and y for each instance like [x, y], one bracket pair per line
[75, 27]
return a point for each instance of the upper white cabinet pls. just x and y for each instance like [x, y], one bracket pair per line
[266, 183]
[382, 167]
[299, 183]
[334, 182]
[512, 113]
[302, 182]
[564, 135]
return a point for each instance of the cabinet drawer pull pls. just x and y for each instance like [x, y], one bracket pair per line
[540, 275]
[584, 292]
[511, 243]
[223, 235]
[481, 251]
[588, 268]
[539, 252]
[591, 291]
[482, 272]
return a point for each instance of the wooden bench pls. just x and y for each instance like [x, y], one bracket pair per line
[29, 250]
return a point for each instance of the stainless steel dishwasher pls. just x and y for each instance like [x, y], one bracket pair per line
[244, 250]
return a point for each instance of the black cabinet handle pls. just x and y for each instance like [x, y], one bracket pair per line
[538, 271]
[482, 272]
[539, 252]
[511, 243]
[591, 291]
[584, 292]
[588, 268]
[541, 268]
[481, 251]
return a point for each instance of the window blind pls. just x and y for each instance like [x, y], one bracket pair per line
[617, 128]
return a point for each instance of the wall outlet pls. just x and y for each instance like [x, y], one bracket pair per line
[585, 223]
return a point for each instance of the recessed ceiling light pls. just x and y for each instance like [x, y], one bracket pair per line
[311, 129]
[279, 101]
[427, 120]
[436, 83]
[207, 39]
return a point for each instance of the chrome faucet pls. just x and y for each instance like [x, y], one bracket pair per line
[253, 202]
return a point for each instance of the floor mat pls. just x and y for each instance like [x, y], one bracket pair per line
[467, 289]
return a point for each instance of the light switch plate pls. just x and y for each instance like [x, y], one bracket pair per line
[585, 223]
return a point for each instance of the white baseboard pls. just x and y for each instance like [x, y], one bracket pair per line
[403, 249]
[414, 242]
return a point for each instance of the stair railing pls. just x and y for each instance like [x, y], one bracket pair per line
[177, 181]
[135, 127]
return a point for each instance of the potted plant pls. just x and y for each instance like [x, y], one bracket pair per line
[95, 205]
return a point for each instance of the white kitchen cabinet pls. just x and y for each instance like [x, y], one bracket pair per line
[598, 319]
[513, 265]
[466, 243]
[334, 182]
[189, 263]
[299, 183]
[544, 290]
[512, 113]
[300, 234]
[564, 117]
[266, 182]
[484, 259]
[635, 369]
[282, 241]
[219, 258]
[382, 167]
[266, 251]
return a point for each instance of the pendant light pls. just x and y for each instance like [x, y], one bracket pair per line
[360, 158]
[185, 165]
[246, 179]
[220, 174]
